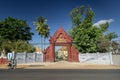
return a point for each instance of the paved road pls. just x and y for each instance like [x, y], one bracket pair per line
[61, 74]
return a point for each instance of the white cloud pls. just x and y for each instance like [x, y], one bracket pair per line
[103, 22]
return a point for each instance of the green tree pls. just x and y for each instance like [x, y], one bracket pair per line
[17, 46]
[22, 46]
[14, 29]
[42, 28]
[103, 45]
[6, 46]
[11, 31]
[86, 36]
[83, 32]
[104, 40]
[119, 50]
[115, 47]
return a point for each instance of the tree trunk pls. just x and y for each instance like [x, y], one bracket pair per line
[41, 44]
[44, 43]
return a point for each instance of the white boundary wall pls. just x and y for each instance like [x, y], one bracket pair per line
[29, 58]
[96, 58]
[116, 59]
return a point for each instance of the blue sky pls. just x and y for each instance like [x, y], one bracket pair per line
[57, 12]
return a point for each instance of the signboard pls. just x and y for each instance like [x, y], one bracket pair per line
[9, 56]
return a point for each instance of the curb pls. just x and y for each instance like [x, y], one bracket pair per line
[62, 65]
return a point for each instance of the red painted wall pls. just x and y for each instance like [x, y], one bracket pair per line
[3, 61]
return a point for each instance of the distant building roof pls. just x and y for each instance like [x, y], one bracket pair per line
[38, 50]
[63, 48]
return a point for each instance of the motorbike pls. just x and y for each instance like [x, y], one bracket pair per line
[12, 64]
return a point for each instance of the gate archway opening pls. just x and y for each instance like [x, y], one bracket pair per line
[61, 53]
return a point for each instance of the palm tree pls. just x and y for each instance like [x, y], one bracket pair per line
[42, 28]
[46, 33]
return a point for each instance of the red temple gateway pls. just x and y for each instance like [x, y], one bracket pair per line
[60, 38]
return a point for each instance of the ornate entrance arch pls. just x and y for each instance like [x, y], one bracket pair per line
[60, 38]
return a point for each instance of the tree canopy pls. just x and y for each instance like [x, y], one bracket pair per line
[14, 29]
[86, 36]
[41, 27]
[17, 46]
[14, 35]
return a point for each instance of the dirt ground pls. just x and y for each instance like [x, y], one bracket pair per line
[63, 65]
